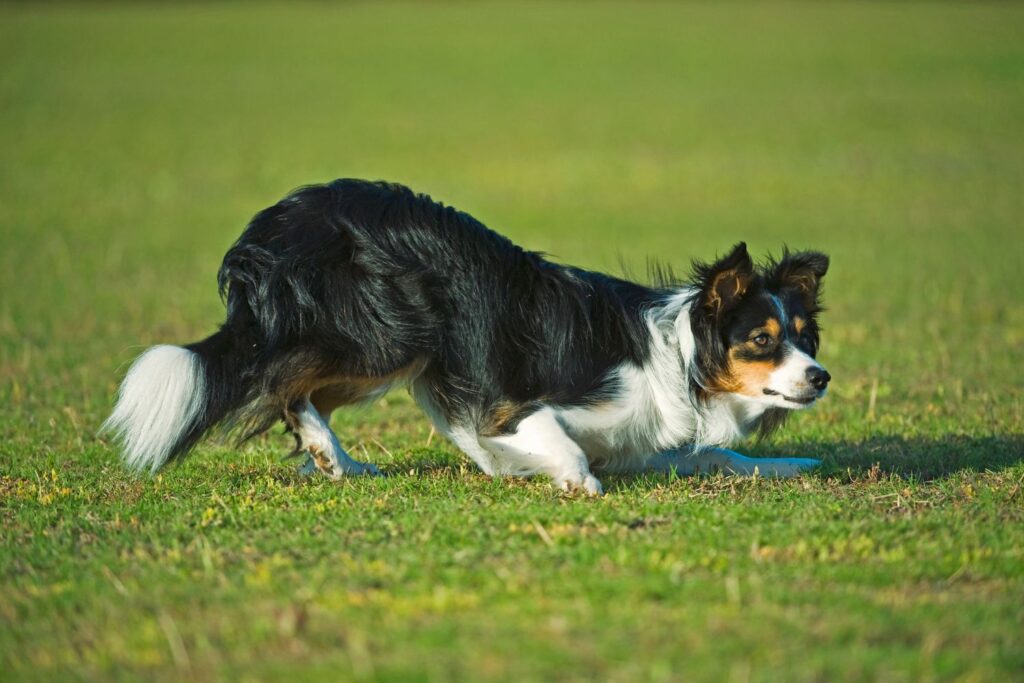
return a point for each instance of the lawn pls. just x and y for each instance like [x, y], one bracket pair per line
[135, 142]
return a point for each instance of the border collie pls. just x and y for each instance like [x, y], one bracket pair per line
[341, 291]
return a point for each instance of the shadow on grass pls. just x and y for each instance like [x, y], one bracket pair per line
[924, 459]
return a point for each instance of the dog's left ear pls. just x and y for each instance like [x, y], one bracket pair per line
[801, 271]
[724, 283]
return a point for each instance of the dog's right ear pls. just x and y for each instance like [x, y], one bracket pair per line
[723, 283]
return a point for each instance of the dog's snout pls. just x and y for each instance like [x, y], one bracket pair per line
[818, 378]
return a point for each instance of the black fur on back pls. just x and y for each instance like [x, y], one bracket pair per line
[356, 279]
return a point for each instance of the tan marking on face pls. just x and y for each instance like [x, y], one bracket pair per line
[747, 377]
[750, 377]
[773, 327]
[799, 324]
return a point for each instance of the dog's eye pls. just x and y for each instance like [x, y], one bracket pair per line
[762, 339]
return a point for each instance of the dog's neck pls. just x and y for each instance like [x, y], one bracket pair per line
[718, 419]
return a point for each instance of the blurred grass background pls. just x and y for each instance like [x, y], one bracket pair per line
[137, 139]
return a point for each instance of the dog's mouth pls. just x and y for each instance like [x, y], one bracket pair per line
[800, 400]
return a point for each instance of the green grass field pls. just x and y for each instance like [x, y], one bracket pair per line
[137, 140]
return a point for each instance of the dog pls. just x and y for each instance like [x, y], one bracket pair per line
[341, 291]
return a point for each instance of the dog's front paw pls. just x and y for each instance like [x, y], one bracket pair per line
[587, 484]
[787, 467]
[805, 464]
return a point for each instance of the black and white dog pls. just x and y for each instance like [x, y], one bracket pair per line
[341, 291]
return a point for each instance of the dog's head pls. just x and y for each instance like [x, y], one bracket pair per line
[756, 328]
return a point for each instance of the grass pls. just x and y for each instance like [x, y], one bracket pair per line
[135, 142]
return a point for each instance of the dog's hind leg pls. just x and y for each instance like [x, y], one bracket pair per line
[711, 460]
[315, 436]
[540, 446]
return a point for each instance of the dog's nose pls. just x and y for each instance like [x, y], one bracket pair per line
[818, 378]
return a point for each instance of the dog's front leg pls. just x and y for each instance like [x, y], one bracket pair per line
[711, 460]
[540, 446]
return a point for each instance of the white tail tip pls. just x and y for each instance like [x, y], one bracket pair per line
[159, 400]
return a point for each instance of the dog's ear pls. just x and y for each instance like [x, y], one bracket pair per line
[801, 271]
[723, 283]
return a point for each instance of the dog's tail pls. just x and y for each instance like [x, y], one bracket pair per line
[172, 395]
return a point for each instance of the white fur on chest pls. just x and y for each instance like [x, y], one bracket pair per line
[644, 420]
[653, 408]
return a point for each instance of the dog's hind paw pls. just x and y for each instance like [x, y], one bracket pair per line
[308, 468]
[351, 468]
[367, 468]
